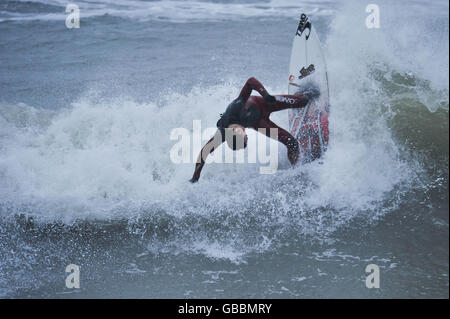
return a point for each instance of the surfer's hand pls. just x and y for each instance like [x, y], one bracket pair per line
[193, 180]
[269, 99]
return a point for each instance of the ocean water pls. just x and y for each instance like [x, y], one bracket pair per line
[86, 176]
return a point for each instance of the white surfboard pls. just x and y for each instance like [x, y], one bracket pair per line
[308, 68]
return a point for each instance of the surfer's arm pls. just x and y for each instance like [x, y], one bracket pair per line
[209, 147]
[254, 84]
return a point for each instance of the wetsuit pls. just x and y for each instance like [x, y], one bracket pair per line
[253, 112]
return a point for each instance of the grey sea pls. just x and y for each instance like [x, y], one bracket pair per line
[86, 176]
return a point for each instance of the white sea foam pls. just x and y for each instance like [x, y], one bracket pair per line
[117, 151]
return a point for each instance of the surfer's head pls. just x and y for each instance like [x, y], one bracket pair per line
[236, 137]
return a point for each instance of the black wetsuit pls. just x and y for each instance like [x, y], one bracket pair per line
[237, 113]
[254, 112]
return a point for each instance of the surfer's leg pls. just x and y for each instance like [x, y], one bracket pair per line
[283, 136]
[284, 102]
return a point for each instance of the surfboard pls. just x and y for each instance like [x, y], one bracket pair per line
[308, 68]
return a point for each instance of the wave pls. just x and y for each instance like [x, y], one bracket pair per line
[172, 11]
[106, 160]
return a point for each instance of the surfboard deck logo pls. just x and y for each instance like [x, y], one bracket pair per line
[304, 72]
[303, 25]
[309, 124]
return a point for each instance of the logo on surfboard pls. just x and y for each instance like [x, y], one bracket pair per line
[303, 25]
[304, 72]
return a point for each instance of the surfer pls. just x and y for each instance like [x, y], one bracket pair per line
[248, 111]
